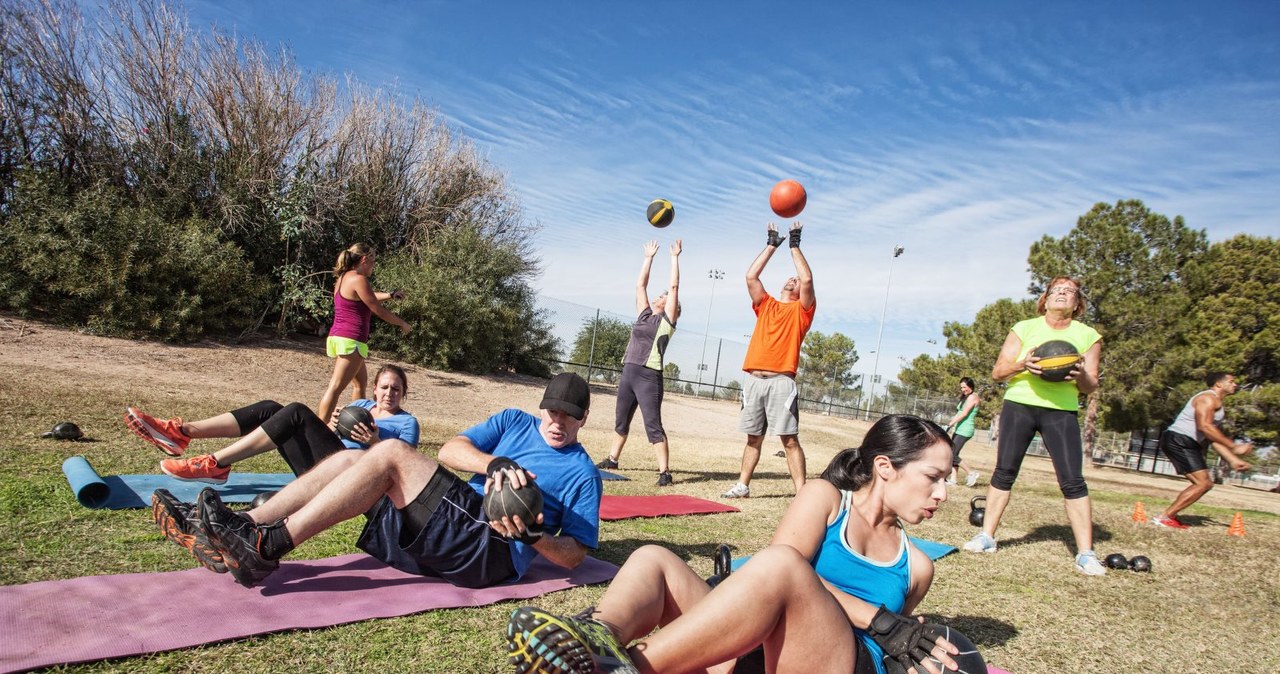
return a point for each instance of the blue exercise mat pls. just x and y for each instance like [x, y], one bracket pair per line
[115, 492]
[606, 475]
[934, 549]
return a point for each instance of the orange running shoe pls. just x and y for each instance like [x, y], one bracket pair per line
[203, 468]
[166, 435]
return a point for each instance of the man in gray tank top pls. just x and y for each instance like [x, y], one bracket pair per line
[1186, 439]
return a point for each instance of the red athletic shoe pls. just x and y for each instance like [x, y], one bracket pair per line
[1170, 522]
[203, 468]
[166, 435]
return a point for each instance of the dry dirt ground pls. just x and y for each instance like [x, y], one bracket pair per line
[209, 377]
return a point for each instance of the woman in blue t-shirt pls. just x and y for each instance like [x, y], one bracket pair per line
[302, 439]
[839, 557]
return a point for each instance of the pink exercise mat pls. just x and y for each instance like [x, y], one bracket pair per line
[99, 617]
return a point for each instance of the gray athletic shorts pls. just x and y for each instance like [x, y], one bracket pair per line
[770, 406]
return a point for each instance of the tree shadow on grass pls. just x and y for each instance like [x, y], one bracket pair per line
[618, 550]
[1055, 532]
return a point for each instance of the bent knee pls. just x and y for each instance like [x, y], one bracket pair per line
[1074, 489]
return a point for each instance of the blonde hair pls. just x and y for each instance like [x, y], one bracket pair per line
[1044, 296]
[349, 258]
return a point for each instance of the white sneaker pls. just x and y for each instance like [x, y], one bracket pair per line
[981, 543]
[951, 482]
[972, 479]
[1088, 564]
[737, 491]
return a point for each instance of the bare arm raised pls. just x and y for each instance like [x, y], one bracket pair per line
[642, 283]
[673, 290]
[803, 274]
[754, 287]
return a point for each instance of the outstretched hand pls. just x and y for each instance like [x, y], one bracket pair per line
[676, 248]
[650, 248]
[775, 239]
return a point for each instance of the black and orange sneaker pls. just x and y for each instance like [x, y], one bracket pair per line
[178, 523]
[166, 435]
[545, 643]
[235, 537]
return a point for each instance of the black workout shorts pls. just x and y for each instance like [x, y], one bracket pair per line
[454, 541]
[1186, 455]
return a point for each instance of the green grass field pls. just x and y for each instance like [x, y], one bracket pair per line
[1210, 603]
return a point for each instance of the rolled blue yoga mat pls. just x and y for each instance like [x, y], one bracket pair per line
[114, 492]
[89, 487]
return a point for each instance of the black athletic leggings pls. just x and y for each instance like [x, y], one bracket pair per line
[1060, 430]
[299, 435]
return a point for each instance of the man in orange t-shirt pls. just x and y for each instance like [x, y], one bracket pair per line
[770, 400]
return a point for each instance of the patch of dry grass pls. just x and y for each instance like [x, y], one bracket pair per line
[1210, 603]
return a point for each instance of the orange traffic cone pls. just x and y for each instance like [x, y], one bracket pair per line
[1139, 513]
[1237, 526]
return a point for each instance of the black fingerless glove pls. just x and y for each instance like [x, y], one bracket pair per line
[904, 639]
[794, 238]
[500, 463]
[775, 239]
[532, 533]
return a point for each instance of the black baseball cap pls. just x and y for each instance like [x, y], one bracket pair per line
[568, 393]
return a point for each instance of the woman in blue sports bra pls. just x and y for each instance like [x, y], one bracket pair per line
[833, 592]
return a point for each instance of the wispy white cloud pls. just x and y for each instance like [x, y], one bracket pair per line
[964, 139]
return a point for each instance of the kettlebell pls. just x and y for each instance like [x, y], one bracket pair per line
[64, 430]
[976, 514]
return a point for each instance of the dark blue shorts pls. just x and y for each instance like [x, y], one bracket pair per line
[455, 543]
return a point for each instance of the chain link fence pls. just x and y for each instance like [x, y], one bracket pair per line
[707, 366]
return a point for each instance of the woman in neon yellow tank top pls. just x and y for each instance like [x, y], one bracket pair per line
[1033, 405]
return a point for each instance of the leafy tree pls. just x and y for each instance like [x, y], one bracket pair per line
[1133, 264]
[602, 342]
[671, 377]
[826, 365]
[1234, 328]
[972, 351]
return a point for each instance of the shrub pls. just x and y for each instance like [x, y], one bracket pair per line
[96, 261]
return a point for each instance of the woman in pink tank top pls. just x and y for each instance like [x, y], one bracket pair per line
[354, 302]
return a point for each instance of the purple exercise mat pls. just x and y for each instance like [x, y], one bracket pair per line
[99, 617]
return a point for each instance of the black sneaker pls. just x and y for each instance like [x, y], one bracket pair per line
[546, 643]
[236, 538]
[664, 479]
[608, 464]
[178, 522]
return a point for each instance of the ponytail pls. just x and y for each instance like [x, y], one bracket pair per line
[901, 438]
[351, 257]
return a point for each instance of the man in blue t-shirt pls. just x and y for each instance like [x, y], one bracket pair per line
[423, 519]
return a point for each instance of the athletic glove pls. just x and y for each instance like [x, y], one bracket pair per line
[775, 239]
[500, 463]
[795, 238]
[532, 532]
[904, 639]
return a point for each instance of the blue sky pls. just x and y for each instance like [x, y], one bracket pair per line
[960, 131]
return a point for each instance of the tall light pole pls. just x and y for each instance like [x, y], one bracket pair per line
[875, 369]
[714, 275]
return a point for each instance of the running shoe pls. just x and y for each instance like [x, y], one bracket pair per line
[1088, 564]
[203, 468]
[1168, 522]
[981, 543]
[664, 479]
[166, 435]
[737, 491]
[178, 522]
[236, 538]
[607, 464]
[972, 479]
[546, 643]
